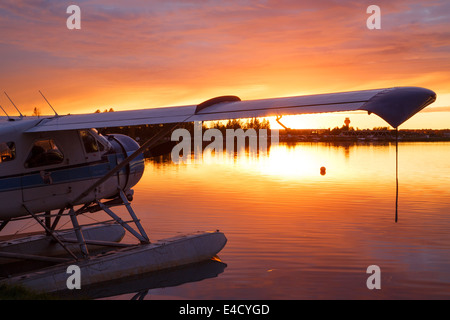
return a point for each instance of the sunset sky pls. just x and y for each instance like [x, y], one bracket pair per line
[141, 54]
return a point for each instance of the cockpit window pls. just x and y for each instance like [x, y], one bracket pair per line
[7, 151]
[44, 153]
[91, 144]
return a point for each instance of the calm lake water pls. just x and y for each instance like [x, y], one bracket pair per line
[294, 233]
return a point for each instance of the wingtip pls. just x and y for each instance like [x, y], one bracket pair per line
[396, 105]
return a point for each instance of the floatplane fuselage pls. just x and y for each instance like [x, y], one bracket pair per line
[45, 171]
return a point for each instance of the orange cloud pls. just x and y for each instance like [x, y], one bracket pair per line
[136, 54]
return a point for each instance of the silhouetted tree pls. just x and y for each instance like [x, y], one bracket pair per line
[36, 112]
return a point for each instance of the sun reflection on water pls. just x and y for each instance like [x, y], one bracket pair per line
[316, 233]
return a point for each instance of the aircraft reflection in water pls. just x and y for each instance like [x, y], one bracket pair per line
[137, 287]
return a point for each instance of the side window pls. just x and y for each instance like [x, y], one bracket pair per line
[44, 153]
[7, 151]
[89, 142]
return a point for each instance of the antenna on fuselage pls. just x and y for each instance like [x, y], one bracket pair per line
[21, 115]
[56, 114]
[9, 119]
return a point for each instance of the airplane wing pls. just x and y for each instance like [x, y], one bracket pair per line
[394, 105]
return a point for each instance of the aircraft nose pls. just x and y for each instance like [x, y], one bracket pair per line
[124, 146]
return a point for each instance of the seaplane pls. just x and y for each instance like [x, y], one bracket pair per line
[60, 166]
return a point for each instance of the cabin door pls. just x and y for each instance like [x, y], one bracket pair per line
[45, 185]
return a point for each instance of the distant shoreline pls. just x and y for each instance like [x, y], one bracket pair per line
[343, 135]
[361, 140]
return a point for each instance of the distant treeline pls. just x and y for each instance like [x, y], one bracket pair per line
[375, 134]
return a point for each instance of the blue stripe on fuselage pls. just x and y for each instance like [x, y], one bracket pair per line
[60, 175]
[10, 184]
